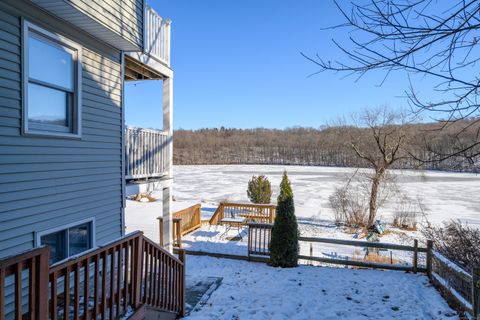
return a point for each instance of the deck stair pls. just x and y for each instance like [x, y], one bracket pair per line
[129, 277]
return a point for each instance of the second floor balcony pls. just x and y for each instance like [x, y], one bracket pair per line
[147, 153]
[156, 40]
[129, 25]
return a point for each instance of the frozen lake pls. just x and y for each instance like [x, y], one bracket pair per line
[445, 195]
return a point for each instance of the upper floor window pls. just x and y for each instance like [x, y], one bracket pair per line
[52, 73]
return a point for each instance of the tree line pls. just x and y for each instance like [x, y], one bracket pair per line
[326, 146]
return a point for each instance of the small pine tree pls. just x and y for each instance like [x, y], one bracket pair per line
[284, 244]
[259, 190]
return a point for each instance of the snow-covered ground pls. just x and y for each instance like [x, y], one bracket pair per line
[256, 291]
[445, 195]
[214, 239]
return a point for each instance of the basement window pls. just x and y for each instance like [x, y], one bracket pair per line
[67, 241]
[51, 83]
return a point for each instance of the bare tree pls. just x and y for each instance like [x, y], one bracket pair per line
[425, 38]
[385, 144]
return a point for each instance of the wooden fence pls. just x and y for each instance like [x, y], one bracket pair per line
[260, 235]
[459, 286]
[261, 213]
[103, 282]
[146, 153]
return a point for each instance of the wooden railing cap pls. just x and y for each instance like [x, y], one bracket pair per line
[92, 252]
[16, 258]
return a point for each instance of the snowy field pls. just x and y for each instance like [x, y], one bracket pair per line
[257, 291]
[445, 195]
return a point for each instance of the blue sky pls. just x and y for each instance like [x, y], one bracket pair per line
[238, 64]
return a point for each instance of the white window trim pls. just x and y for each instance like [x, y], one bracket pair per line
[93, 236]
[77, 101]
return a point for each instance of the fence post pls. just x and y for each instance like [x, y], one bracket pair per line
[181, 257]
[429, 258]
[415, 256]
[476, 293]
[250, 240]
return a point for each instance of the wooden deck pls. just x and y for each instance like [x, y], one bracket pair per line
[106, 282]
[262, 213]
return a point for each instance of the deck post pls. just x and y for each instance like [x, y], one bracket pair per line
[476, 292]
[178, 231]
[160, 229]
[137, 274]
[182, 258]
[168, 121]
[42, 288]
[167, 227]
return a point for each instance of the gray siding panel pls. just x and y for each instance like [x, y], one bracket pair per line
[48, 182]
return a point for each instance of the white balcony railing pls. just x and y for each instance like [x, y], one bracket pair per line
[156, 36]
[147, 153]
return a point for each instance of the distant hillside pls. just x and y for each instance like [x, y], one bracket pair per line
[317, 147]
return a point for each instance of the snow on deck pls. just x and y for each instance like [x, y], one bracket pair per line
[256, 291]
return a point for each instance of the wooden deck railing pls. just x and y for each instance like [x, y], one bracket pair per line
[190, 219]
[156, 36]
[177, 238]
[103, 282]
[259, 236]
[32, 268]
[261, 213]
[146, 153]
[184, 222]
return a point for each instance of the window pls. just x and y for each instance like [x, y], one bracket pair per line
[51, 83]
[67, 242]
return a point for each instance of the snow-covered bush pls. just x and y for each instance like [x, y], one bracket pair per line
[284, 245]
[259, 189]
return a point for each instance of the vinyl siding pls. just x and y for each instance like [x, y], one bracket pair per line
[48, 182]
